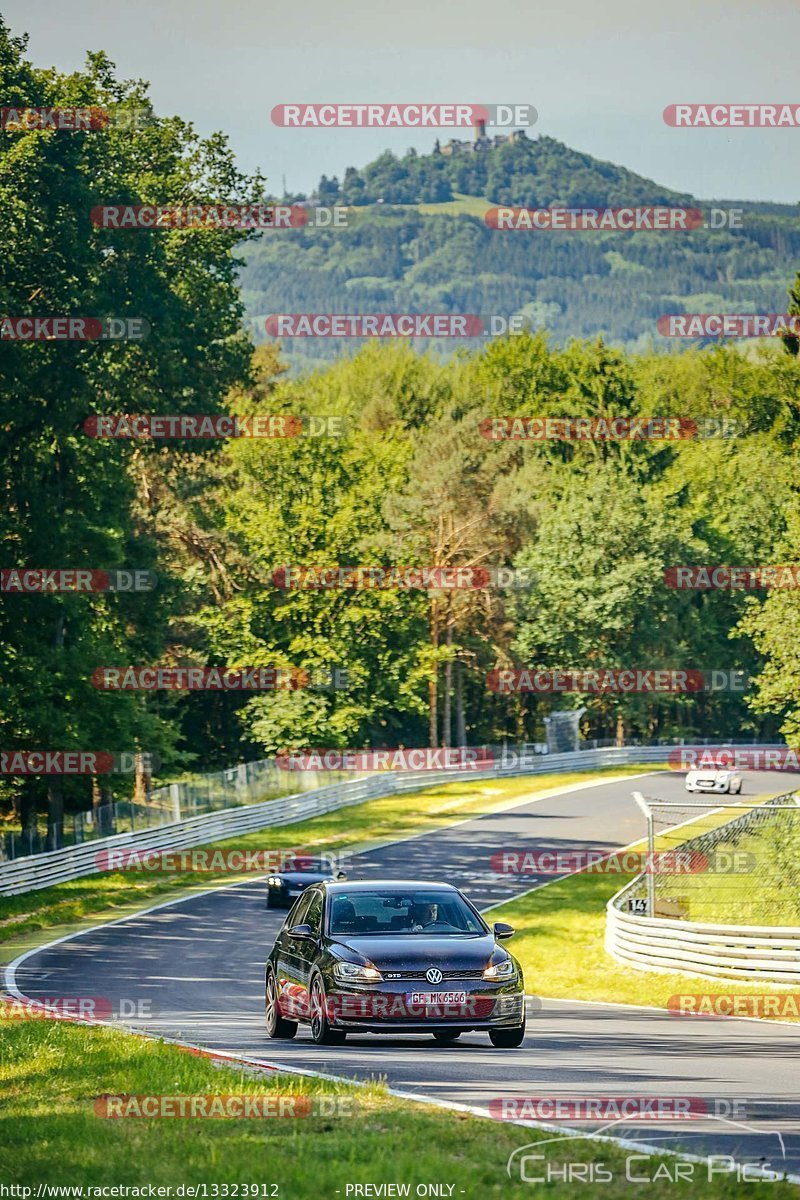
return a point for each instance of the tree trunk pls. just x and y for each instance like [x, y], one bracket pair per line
[433, 684]
[55, 814]
[447, 720]
[26, 808]
[521, 715]
[104, 812]
[461, 725]
[620, 729]
[55, 792]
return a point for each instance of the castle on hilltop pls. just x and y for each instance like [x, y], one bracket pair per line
[480, 141]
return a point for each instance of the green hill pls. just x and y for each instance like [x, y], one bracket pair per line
[416, 241]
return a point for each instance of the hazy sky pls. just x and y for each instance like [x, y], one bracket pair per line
[598, 74]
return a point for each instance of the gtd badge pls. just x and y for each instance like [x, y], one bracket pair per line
[434, 975]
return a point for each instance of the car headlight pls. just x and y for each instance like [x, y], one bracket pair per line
[348, 972]
[274, 881]
[501, 970]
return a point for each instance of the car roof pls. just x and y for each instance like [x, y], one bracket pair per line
[370, 885]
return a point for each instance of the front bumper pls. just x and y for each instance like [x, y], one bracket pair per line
[282, 897]
[717, 786]
[387, 1008]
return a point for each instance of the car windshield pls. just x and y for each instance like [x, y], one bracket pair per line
[389, 911]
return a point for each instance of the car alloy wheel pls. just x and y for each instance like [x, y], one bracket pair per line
[277, 1026]
[321, 1030]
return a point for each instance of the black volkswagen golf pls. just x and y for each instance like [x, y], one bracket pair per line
[392, 956]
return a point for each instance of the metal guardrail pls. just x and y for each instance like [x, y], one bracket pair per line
[246, 783]
[767, 953]
[755, 952]
[74, 862]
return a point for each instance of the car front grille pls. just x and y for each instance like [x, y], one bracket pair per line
[421, 974]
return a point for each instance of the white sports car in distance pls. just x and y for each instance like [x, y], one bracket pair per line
[711, 780]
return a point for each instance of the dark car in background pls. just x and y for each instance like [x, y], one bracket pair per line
[283, 887]
[392, 956]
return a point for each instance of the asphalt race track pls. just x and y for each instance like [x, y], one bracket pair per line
[199, 965]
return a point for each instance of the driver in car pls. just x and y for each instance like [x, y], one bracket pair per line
[426, 916]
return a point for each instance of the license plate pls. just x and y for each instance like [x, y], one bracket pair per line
[437, 998]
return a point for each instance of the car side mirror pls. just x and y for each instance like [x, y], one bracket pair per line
[341, 875]
[503, 931]
[302, 933]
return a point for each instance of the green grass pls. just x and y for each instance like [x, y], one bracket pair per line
[117, 893]
[52, 1073]
[460, 205]
[763, 892]
[559, 941]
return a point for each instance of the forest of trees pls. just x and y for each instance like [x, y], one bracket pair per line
[409, 481]
[393, 259]
[534, 171]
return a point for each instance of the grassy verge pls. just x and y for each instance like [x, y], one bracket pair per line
[559, 941]
[116, 893]
[752, 879]
[53, 1073]
[561, 927]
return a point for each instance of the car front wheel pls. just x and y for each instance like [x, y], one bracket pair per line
[277, 1026]
[321, 1030]
[507, 1039]
[445, 1036]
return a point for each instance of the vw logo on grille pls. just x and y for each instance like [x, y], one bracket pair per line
[434, 975]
